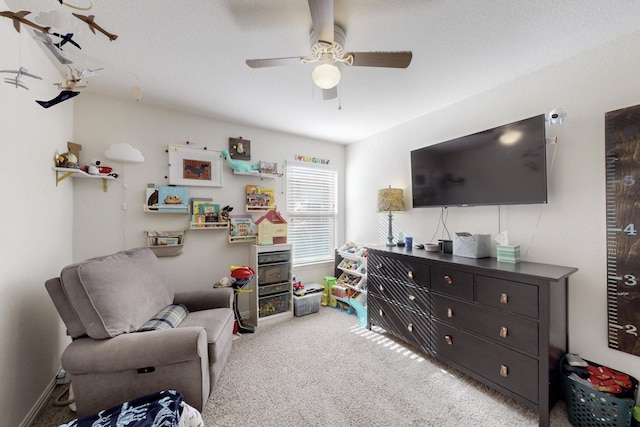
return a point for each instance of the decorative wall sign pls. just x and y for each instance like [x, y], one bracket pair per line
[240, 149]
[194, 166]
[622, 157]
[311, 159]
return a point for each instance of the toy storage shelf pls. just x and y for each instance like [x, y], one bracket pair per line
[351, 260]
[258, 174]
[243, 239]
[250, 209]
[351, 271]
[166, 209]
[165, 243]
[208, 225]
[64, 173]
[272, 290]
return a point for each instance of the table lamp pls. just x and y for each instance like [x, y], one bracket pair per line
[390, 200]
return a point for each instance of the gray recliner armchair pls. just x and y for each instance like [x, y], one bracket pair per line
[132, 335]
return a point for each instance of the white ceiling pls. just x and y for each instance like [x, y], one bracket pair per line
[190, 55]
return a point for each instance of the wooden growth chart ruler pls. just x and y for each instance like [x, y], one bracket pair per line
[622, 156]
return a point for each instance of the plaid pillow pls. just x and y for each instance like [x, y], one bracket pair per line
[167, 318]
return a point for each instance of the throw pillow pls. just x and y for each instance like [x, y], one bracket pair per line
[167, 318]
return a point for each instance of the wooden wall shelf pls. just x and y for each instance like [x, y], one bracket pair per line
[64, 173]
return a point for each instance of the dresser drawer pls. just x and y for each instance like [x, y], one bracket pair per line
[516, 332]
[401, 269]
[452, 282]
[411, 296]
[411, 327]
[507, 295]
[507, 368]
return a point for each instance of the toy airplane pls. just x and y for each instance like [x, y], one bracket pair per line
[71, 84]
[16, 80]
[62, 96]
[19, 17]
[77, 7]
[67, 38]
[89, 20]
[46, 40]
[87, 72]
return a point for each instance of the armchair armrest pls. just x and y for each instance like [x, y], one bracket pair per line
[135, 350]
[205, 299]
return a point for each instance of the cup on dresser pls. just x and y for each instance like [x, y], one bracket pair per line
[445, 246]
[409, 242]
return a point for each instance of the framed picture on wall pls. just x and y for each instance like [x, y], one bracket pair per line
[194, 166]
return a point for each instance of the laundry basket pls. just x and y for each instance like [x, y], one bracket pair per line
[589, 407]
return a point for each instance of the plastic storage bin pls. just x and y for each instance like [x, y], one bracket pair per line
[273, 273]
[306, 304]
[278, 288]
[271, 257]
[274, 304]
[307, 300]
[586, 406]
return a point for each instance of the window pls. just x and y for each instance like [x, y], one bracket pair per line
[312, 193]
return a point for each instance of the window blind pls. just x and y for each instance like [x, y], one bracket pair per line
[312, 211]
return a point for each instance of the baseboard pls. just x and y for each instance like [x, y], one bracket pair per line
[39, 404]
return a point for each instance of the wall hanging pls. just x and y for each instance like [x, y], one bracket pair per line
[194, 166]
[622, 145]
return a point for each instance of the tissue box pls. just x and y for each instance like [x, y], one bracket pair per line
[472, 245]
[508, 253]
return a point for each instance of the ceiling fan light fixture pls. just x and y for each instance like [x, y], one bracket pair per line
[326, 76]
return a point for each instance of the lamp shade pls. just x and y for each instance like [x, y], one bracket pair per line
[326, 76]
[390, 199]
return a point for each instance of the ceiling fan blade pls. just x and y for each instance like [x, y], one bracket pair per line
[381, 59]
[322, 19]
[273, 62]
[330, 93]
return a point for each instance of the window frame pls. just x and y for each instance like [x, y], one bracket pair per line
[327, 211]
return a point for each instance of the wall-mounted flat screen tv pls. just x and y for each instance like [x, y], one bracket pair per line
[500, 166]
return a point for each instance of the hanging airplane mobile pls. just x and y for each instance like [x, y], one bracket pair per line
[48, 42]
[62, 96]
[19, 18]
[89, 20]
[16, 80]
[67, 38]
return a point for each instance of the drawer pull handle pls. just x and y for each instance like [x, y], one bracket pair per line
[448, 339]
[503, 332]
[410, 275]
[504, 298]
[381, 313]
[449, 313]
[504, 371]
[381, 288]
[410, 327]
[412, 297]
[379, 266]
[448, 279]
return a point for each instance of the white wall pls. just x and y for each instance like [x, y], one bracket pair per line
[36, 225]
[102, 226]
[571, 228]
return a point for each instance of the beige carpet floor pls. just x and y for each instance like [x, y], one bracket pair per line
[324, 370]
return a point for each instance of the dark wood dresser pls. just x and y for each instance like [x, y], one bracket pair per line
[502, 324]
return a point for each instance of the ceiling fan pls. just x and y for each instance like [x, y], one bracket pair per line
[327, 40]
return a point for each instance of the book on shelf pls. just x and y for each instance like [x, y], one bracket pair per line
[196, 202]
[242, 226]
[260, 196]
[198, 221]
[268, 167]
[173, 199]
[165, 241]
[210, 211]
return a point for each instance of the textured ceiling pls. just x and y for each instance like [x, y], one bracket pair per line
[190, 55]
